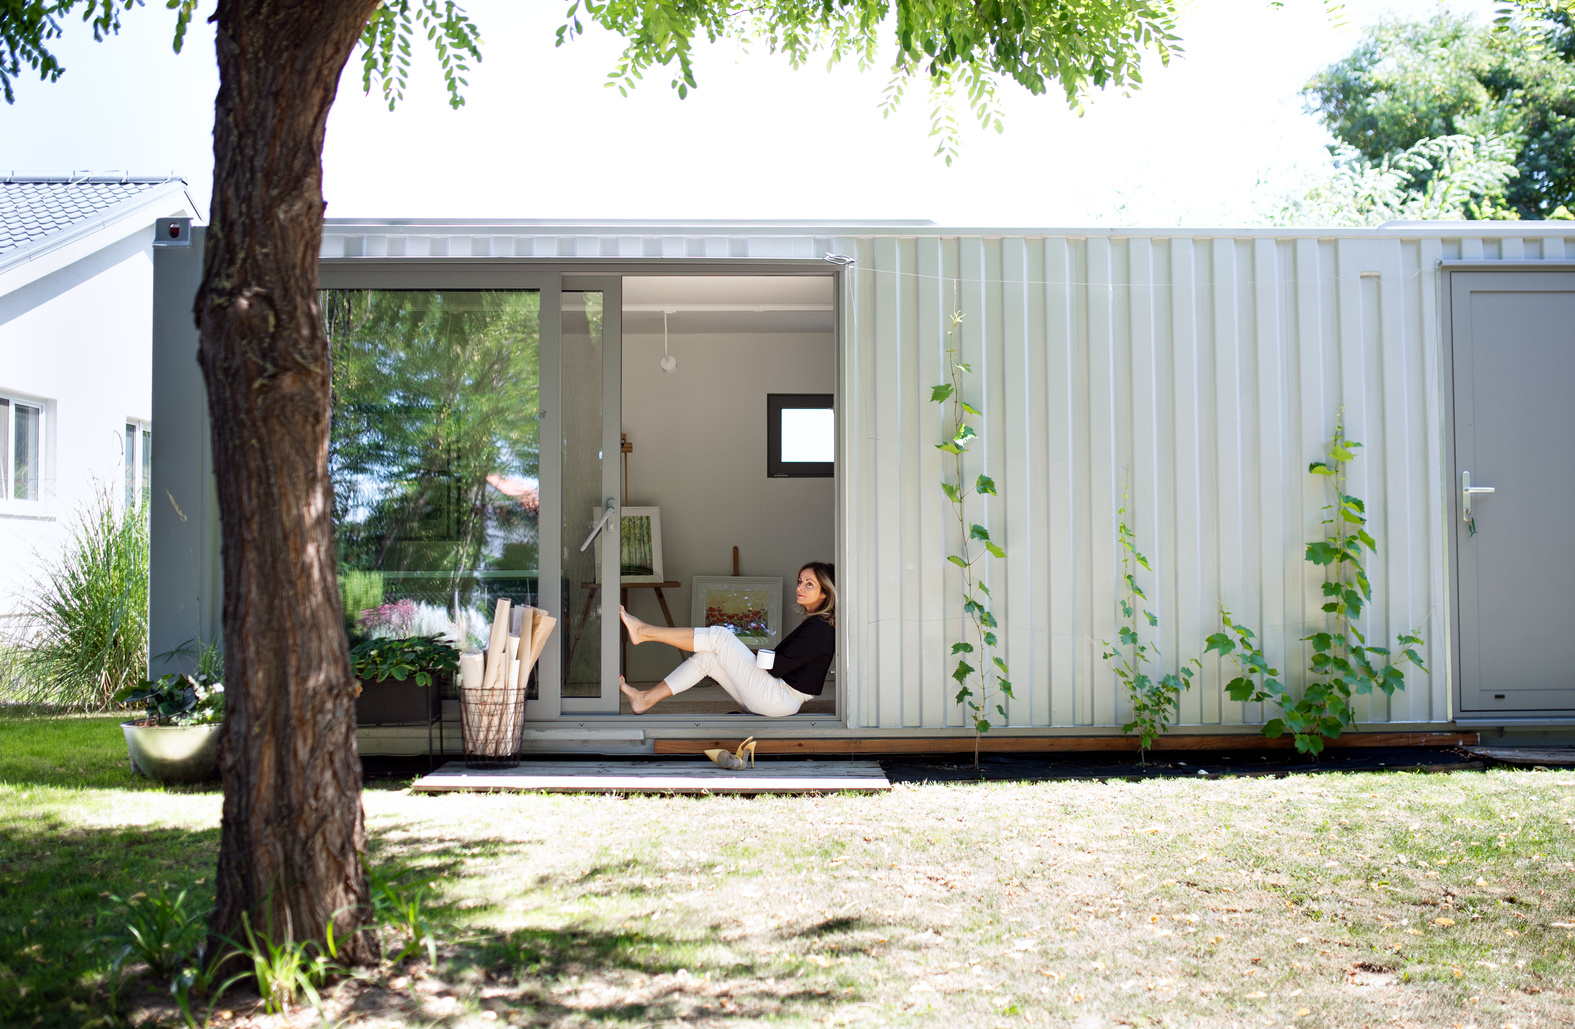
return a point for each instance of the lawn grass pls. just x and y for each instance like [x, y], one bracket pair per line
[1332, 900]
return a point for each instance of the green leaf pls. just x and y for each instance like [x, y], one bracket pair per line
[986, 485]
[994, 550]
[963, 367]
[1240, 688]
[951, 492]
[970, 409]
[959, 562]
[1322, 553]
[962, 671]
[939, 394]
[962, 648]
[979, 532]
[950, 448]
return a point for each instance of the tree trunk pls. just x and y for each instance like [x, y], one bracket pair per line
[293, 831]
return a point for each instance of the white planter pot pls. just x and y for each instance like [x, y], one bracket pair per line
[173, 753]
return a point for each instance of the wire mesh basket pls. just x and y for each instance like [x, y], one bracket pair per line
[492, 721]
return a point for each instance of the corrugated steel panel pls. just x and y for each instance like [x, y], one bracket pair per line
[1198, 370]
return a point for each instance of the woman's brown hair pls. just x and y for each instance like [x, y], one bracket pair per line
[826, 575]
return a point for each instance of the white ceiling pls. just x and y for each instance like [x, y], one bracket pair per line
[727, 303]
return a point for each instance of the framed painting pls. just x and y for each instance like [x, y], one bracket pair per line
[640, 552]
[749, 605]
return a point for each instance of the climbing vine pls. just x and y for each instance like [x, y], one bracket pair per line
[1153, 697]
[975, 685]
[1343, 663]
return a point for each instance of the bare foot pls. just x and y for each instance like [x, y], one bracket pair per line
[637, 698]
[635, 627]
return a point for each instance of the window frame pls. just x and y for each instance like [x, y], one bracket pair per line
[9, 502]
[138, 461]
[776, 468]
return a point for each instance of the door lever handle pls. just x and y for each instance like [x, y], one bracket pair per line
[1466, 492]
[612, 509]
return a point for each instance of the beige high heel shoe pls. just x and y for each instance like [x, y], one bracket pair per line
[735, 761]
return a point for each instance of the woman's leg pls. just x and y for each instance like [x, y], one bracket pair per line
[643, 700]
[640, 632]
[679, 679]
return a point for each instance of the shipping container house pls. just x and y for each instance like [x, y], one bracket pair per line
[1188, 375]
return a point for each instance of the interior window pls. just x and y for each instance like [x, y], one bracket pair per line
[801, 437]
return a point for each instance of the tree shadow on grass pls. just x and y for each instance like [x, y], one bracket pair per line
[60, 933]
[59, 929]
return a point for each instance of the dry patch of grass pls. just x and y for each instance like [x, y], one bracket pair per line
[1334, 900]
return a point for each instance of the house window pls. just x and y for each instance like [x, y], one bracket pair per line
[21, 449]
[801, 435]
[138, 455]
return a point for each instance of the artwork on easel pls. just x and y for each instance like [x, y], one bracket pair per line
[640, 551]
[749, 605]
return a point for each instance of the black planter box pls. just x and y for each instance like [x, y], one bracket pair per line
[392, 702]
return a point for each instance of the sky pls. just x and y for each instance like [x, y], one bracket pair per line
[1206, 141]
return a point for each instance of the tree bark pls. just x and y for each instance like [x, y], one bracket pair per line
[293, 830]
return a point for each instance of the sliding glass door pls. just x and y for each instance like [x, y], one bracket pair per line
[590, 399]
[474, 454]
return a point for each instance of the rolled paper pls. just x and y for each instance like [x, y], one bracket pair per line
[496, 644]
[527, 640]
[538, 641]
[472, 664]
[511, 662]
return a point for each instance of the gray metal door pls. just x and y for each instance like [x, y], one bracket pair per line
[1513, 343]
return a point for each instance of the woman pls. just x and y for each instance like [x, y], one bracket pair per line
[798, 673]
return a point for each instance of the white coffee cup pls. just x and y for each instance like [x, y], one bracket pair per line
[765, 658]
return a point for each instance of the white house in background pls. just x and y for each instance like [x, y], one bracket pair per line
[76, 336]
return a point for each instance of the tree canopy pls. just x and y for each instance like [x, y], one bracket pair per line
[1451, 76]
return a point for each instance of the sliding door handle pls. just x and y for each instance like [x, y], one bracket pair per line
[1466, 492]
[607, 515]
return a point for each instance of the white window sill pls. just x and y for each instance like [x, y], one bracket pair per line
[29, 510]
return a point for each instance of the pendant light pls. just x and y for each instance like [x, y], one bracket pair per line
[669, 362]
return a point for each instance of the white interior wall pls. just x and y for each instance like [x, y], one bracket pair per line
[699, 439]
[80, 339]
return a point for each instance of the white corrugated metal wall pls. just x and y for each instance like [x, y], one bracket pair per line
[1200, 370]
[1202, 373]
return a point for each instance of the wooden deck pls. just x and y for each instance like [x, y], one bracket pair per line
[691, 776]
[1529, 756]
[852, 745]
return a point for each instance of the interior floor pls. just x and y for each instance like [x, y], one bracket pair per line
[707, 698]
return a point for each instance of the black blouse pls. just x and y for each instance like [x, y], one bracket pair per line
[804, 657]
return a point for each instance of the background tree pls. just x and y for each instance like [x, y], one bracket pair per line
[1450, 76]
[293, 834]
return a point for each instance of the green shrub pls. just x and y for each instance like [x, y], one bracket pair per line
[88, 637]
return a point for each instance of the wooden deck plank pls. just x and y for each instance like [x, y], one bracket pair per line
[658, 777]
[1552, 757]
[1057, 744]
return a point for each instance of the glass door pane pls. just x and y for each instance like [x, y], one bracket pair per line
[590, 367]
[435, 455]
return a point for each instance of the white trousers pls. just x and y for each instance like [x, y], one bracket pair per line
[725, 658]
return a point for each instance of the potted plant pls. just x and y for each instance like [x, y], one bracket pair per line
[177, 739]
[401, 678]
